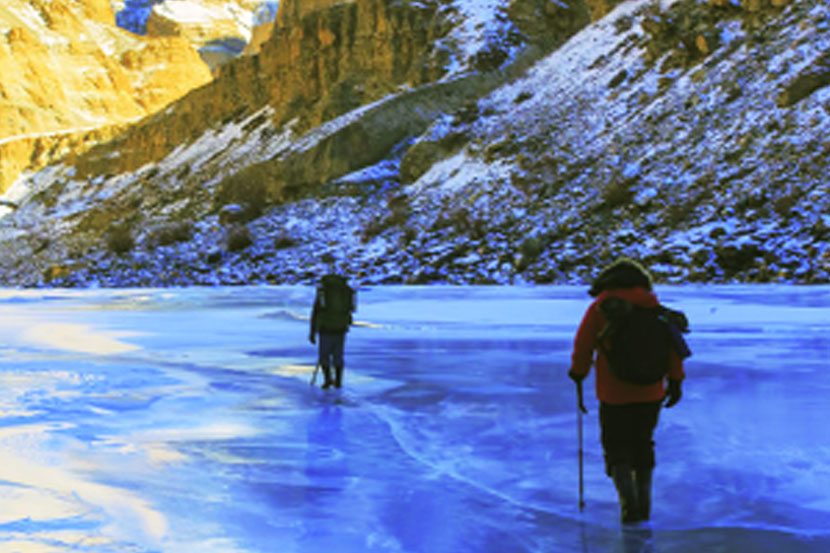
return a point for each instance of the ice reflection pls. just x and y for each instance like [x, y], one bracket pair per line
[172, 421]
[78, 338]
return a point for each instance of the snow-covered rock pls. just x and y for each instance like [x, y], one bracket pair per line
[701, 157]
[220, 30]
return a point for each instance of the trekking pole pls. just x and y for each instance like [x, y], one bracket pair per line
[314, 374]
[580, 409]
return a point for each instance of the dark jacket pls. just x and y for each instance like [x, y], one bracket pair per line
[326, 319]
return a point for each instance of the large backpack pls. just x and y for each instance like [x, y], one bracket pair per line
[335, 303]
[637, 341]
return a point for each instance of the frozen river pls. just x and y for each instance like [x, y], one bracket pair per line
[183, 421]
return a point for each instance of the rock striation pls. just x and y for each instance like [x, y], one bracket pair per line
[317, 64]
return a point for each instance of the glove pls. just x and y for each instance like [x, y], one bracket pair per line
[576, 377]
[673, 393]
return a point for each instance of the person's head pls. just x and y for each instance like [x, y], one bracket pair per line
[330, 265]
[327, 260]
[623, 273]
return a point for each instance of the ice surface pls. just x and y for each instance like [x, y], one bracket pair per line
[182, 420]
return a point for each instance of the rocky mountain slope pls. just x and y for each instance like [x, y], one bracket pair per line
[71, 79]
[461, 141]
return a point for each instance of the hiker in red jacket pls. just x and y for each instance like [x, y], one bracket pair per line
[628, 412]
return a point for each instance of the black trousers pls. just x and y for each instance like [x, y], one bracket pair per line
[330, 350]
[626, 432]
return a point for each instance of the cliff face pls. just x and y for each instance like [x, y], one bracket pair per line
[317, 64]
[690, 135]
[334, 56]
[259, 36]
[325, 58]
[336, 88]
[69, 70]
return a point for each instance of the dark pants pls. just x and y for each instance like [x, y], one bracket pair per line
[626, 434]
[330, 354]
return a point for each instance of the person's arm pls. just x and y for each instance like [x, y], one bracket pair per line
[585, 343]
[676, 371]
[674, 389]
[312, 333]
[352, 305]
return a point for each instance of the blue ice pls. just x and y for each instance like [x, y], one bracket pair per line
[183, 420]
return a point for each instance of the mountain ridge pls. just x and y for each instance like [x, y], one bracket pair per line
[67, 69]
[700, 156]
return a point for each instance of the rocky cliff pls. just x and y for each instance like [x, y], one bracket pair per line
[71, 78]
[322, 59]
[687, 134]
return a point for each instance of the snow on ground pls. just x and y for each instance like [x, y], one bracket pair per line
[479, 23]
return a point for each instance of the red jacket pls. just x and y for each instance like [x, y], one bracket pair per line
[609, 388]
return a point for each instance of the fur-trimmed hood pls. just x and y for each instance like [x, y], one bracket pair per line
[623, 273]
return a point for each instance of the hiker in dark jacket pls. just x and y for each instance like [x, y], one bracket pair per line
[331, 317]
[628, 412]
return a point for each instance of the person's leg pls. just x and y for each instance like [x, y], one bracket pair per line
[337, 357]
[616, 436]
[623, 477]
[324, 357]
[642, 481]
[646, 416]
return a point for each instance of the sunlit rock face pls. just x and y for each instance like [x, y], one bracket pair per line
[336, 87]
[220, 30]
[333, 59]
[67, 71]
[263, 26]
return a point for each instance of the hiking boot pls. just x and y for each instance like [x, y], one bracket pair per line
[623, 476]
[327, 381]
[642, 479]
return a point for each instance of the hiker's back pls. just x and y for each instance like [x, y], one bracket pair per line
[335, 303]
[636, 340]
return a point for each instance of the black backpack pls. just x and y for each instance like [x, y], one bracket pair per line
[335, 303]
[637, 341]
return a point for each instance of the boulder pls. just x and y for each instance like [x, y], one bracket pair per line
[811, 79]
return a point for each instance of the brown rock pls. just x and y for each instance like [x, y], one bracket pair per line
[812, 78]
[601, 8]
[259, 35]
[550, 22]
[707, 42]
[323, 58]
[55, 272]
